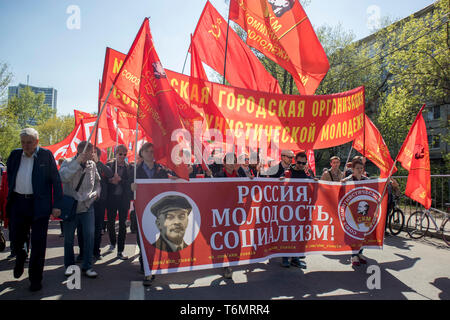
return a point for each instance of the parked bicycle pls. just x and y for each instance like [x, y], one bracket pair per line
[396, 218]
[419, 224]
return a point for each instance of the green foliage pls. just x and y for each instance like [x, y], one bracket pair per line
[5, 78]
[419, 63]
[9, 133]
[55, 129]
[30, 108]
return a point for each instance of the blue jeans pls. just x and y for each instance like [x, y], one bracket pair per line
[87, 220]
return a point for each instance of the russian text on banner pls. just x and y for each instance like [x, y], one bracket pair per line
[221, 222]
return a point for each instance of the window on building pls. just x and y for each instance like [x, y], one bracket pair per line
[434, 113]
[434, 141]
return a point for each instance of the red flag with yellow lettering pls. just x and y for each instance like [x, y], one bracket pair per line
[162, 111]
[415, 157]
[282, 31]
[372, 146]
[243, 69]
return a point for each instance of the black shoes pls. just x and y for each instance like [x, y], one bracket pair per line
[121, 256]
[35, 286]
[18, 268]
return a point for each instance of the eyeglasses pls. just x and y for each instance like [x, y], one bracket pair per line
[121, 154]
[301, 162]
[288, 156]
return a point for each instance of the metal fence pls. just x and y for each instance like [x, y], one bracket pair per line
[440, 194]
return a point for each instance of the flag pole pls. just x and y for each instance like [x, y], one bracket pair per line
[117, 137]
[96, 130]
[226, 48]
[185, 59]
[136, 146]
[348, 158]
[98, 117]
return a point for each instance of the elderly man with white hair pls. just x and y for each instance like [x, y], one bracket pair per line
[34, 186]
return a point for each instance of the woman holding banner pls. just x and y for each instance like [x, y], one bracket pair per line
[357, 175]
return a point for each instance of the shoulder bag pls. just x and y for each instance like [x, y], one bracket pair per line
[68, 204]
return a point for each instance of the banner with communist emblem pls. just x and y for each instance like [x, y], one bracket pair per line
[192, 226]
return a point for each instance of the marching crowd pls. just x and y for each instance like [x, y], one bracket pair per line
[32, 188]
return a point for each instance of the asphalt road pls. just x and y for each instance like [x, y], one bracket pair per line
[408, 269]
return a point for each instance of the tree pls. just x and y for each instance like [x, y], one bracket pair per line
[419, 62]
[9, 133]
[30, 108]
[55, 129]
[5, 78]
[9, 130]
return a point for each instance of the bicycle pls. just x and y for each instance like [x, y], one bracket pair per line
[396, 218]
[419, 222]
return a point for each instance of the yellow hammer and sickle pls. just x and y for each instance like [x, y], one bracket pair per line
[216, 27]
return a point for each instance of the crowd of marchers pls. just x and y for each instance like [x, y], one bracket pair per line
[33, 185]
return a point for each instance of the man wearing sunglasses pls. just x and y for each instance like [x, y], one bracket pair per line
[297, 172]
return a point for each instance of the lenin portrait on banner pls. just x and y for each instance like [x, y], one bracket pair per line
[172, 213]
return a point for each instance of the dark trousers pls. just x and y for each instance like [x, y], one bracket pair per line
[22, 221]
[117, 204]
[99, 210]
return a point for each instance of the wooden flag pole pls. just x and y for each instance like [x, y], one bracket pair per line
[98, 117]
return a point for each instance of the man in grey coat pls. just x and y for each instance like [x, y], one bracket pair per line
[81, 180]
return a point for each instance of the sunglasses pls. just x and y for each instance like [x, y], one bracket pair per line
[288, 157]
[303, 163]
[121, 154]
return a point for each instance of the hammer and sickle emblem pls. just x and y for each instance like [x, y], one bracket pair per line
[216, 28]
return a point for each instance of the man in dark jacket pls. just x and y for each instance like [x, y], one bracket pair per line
[297, 171]
[119, 197]
[171, 214]
[105, 173]
[34, 185]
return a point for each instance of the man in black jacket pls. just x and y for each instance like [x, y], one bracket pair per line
[105, 173]
[119, 197]
[297, 172]
[34, 185]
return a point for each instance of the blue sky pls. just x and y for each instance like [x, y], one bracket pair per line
[36, 41]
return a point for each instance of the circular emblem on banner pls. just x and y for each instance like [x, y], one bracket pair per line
[171, 221]
[357, 212]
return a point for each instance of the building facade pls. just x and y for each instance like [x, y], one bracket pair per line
[51, 94]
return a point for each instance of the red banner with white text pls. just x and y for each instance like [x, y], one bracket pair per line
[186, 226]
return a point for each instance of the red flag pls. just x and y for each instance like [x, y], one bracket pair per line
[243, 69]
[197, 70]
[127, 81]
[311, 160]
[372, 146]
[282, 31]
[162, 111]
[415, 157]
[79, 115]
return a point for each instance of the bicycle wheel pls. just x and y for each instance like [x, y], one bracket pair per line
[418, 224]
[396, 221]
[446, 231]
